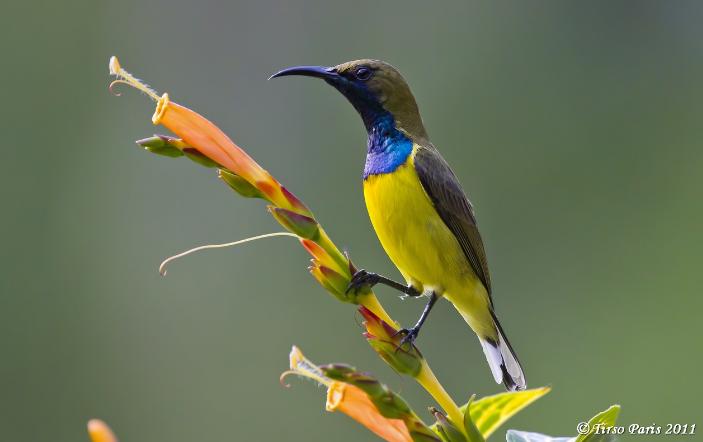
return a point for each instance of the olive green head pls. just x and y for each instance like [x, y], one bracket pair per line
[375, 88]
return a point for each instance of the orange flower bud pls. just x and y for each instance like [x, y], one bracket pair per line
[387, 342]
[321, 255]
[100, 432]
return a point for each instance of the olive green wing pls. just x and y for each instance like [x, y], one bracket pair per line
[452, 205]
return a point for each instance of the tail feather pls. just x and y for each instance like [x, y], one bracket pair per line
[502, 359]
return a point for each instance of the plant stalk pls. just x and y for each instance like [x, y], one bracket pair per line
[431, 384]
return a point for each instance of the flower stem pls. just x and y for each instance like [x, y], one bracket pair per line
[429, 382]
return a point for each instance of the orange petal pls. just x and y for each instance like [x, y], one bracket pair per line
[353, 402]
[376, 326]
[100, 432]
[200, 133]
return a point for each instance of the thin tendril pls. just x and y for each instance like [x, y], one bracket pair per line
[112, 90]
[283, 377]
[162, 267]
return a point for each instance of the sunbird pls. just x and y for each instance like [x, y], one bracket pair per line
[419, 211]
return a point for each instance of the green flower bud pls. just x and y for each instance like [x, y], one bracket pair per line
[301, 225]
[447, 430]
[402, 360]
[239, 184]
[323, 276]
[336, 280]
[163, 145]
[386, 341]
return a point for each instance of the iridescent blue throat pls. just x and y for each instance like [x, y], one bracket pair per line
[388, 148]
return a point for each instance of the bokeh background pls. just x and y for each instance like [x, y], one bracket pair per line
[574, 126]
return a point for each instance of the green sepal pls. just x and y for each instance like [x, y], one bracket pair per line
[239, 184]
[392, 406]
[161, 145]
[402, 360]
[422, 433]
[338, 282]
[446, 429]
[347, 373]
[301, 225]
[197, 157]
[388, 403]
[316, 272]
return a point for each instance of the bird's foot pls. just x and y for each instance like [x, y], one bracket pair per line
[362, 280]
[409, 336]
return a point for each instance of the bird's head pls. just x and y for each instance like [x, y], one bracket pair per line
[376, 90]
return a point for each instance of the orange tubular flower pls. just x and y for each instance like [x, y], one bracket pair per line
[356, 404]
[100, 432]
[197, 131]
[349, 399]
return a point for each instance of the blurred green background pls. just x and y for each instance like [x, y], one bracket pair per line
[575, 127]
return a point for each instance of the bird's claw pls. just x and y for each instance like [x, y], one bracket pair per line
[362, 279]
[409, 336]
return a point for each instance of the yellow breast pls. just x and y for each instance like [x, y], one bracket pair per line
[412, 233]
[422, 246]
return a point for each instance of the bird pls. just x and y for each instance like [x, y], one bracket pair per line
[419, 210]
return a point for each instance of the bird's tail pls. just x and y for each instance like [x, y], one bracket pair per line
[502, 359]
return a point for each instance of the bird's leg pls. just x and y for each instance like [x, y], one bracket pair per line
[411, 334]
[363, 279]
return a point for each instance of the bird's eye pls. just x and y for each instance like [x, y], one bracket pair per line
[363, 73]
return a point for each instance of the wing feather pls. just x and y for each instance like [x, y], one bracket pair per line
[452, 205]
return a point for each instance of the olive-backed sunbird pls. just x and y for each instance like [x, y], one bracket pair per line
[418, 208]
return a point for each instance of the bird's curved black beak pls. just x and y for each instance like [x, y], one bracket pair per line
[326, 73]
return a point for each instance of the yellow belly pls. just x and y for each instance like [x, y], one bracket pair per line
[421, 245]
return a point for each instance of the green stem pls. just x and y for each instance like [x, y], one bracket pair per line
[429, 382]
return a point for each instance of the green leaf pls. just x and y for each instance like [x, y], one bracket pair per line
[603, 420]
[490, 412]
